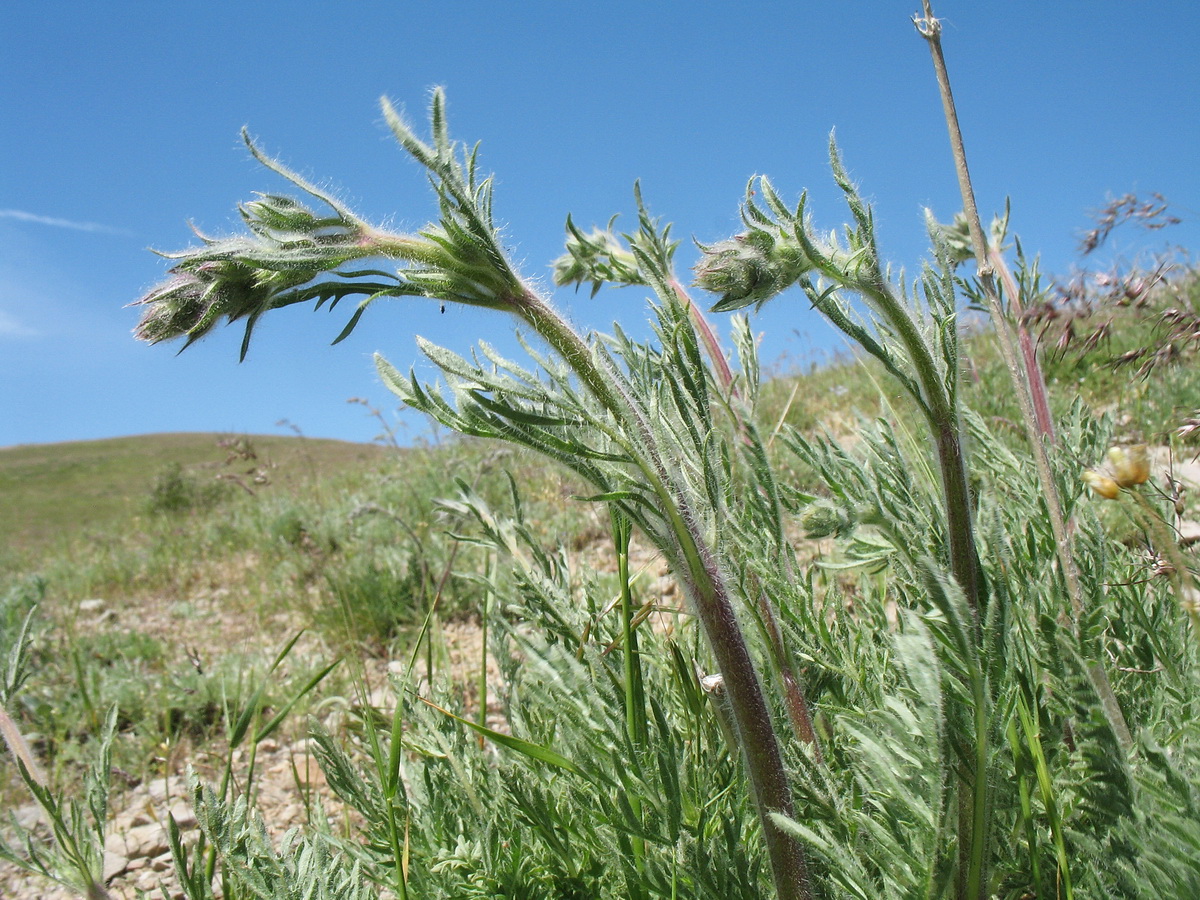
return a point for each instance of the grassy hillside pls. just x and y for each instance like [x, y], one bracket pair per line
[53, 493]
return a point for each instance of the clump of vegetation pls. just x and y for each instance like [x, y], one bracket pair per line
[177, 492]
[374, 600]
[978, 693]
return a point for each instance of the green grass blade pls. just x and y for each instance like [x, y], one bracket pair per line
[525, 748]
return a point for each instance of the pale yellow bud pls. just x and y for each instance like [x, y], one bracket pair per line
[1190, 601]
[1101, 484]
[1130, 465]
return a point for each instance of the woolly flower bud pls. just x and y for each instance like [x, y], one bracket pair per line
[196, 296]
[242, 277]
[1130, 465]
[750, 268]
[596, 257]
[1101, 484]
[822, 519]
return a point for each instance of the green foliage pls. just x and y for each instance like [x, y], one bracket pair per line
[289, 527]
[75, 856]
[301, 866]
[373, 599]
[16, 605]
[76, 820]
[176, 492]
[159, 701]
[581, 790]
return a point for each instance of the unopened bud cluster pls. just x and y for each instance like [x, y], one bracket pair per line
[822, 519]
[751, 268]
[242, 277]
[598, 257]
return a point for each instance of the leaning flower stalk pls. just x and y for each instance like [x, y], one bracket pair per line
[919, 348]
[293, 255]
[645, 258]
[695, 564]
[1025, 381]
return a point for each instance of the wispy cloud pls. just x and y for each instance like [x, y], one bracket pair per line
[94, 227]
[11, 328]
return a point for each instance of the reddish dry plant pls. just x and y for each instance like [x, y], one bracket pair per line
[1150, 214]
[1190, 425]
[1080, 316]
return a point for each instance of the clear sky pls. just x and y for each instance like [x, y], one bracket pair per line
[119, 124]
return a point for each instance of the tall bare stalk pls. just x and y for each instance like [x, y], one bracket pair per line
[930, 28]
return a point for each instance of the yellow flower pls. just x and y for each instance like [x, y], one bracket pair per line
[1101, 484]
[1130, 465]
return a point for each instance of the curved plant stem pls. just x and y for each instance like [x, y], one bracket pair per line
[708, 337]
[704, 583]
[635, 698]
[793, 693]
[1037, 381]
[941, 415]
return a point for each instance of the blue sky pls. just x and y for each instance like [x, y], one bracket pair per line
[119, 125]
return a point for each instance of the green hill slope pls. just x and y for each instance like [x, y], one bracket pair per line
[50, 493]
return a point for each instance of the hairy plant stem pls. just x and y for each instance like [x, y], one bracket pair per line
[635, 699]
[700, 575]
[942, 419]
[708, 337]
[930, 29]
[1037, 381]
[793, 692]
[952, 468]
[19, 747]
[485, 612]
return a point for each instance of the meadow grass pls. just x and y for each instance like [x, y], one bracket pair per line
[55, 493]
